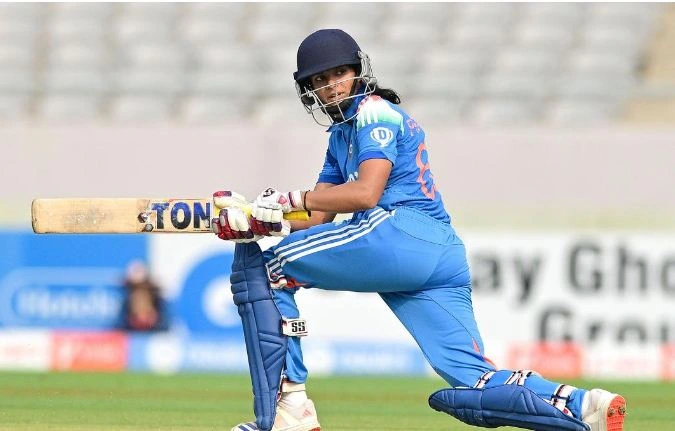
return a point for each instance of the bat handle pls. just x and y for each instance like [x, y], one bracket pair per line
[301, 215]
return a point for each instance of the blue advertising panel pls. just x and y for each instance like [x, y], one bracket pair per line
[64, 281]
[171, 353]
[376, 358]
[174, 353]
[205, 303]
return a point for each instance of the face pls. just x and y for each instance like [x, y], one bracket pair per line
[333, 85]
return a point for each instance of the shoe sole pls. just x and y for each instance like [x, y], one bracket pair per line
[616, 414]
[313, 429]
[305, 429]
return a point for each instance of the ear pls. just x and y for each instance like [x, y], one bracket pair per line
[308, 100]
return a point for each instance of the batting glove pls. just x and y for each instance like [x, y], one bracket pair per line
[268, 211]
[232, 223]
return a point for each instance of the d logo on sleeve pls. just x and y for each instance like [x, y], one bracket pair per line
[382, 136]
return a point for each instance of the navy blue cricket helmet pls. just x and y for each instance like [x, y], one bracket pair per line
[323, 50]
[326, 49]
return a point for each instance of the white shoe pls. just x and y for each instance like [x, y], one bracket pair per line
[604, 411]
[301, 418]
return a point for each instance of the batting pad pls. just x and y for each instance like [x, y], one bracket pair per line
[504, 405]
[265, 344]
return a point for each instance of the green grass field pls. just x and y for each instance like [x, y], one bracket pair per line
[68, 401]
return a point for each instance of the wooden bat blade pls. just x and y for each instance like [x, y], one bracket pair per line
[121, 215]
[128, 215]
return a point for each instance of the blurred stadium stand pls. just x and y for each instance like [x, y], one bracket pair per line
[206, 63]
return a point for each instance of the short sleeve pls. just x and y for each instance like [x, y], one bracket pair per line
[378, 126]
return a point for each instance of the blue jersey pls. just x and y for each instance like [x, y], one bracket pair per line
[382, 130]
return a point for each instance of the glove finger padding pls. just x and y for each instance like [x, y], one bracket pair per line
[238, 220]
[222, 232]
[228, 199]
[268, 219]
[232, 224]
[258, 227]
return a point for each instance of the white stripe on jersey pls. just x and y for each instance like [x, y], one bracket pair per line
[327, 238]
[374, 222]
[330, 232]
[323, 237]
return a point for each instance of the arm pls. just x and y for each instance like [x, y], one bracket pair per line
[326, 199]
[377, 151]
[376, 160]
[362, 194]
[317, 217]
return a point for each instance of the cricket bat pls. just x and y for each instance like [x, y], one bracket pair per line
[130, 215]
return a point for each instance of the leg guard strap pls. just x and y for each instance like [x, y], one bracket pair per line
[287, 387]
[504, 405]
[265, 344]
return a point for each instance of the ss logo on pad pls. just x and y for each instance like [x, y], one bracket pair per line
[294, 327]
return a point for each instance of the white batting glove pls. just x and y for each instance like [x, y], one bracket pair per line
[232, 223]
[287, 202]
[229, 199]
[268, 212]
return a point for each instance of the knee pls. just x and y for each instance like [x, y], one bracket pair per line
[248, 278]
[455, 373]
[247, 255]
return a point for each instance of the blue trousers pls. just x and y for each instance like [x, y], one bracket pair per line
[418, 266]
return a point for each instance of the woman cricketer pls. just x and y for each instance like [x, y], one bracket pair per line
[399, 243]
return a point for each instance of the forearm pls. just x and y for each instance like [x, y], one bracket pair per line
[326, 200]
[344, 198]
[317, 217]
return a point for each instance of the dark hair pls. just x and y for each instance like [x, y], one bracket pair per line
[387, 94]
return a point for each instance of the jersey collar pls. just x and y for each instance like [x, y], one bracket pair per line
[350, 112]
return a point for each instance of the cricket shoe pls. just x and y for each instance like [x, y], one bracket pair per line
[301, 418]
[604, 411]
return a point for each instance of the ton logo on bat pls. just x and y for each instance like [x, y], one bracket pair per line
[183, 213]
